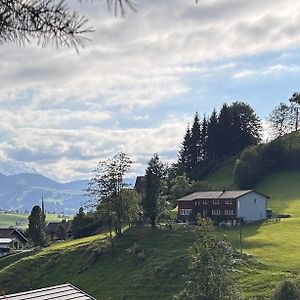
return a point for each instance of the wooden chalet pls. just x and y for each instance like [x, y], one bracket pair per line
[11, 239]
[223, 206]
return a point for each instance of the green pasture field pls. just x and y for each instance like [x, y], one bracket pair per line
[21, 220]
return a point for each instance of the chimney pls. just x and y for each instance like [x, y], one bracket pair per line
[224, 189]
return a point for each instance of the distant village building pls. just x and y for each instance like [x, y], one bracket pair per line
[52, 229]
[140, 185]
[223, 206]
[58, 292]
[11, 239]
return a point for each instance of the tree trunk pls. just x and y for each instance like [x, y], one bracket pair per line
[153, 222]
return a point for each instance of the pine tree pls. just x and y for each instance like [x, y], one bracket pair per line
[203, 141]
[153, 184]
[213, 137]
[224, 137]
[184, 160]
[195, 146]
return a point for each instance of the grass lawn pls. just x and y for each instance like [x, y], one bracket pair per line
[276, 244]
[89, 264]
[21, 220]
[223, 176]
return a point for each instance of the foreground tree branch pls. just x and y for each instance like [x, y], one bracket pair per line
[48, 22]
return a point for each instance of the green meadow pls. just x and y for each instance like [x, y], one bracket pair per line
[21, 220]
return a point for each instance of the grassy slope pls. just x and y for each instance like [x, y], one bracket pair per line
[277, 244]
[119, 277]
[88, 263]
[223, 176]
[9, 219]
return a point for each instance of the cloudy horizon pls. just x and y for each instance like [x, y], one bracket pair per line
[140, 80]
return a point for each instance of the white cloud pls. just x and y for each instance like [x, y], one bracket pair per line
[61, 111]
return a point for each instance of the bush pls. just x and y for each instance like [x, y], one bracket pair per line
[287, 290]
[258, 161]
[248, 169]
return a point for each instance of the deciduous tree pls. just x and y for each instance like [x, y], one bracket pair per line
[281, 119]
[106, 187]
[211, 267]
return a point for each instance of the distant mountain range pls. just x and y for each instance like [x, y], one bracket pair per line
[22, 191]
[8, 167]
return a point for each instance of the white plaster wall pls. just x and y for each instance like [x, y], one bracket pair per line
[250, 210]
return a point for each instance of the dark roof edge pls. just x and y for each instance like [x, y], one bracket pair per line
[262, 194]
[76, 288]
[245, 193]
[21, 234]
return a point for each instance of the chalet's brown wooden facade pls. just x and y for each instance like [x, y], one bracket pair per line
[222, 206]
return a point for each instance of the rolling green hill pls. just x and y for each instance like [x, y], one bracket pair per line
[89, 264]
[275, 244]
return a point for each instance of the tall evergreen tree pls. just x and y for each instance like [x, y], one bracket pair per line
[184, 160]
[203, 140]
[195, 142]
[213, 137]
[153, 184]
[36, 226]
[224, 125]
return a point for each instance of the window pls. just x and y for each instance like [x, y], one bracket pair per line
[205, 202]
[204, 213]
[254, 201]
[185, 211]
[215, 212]
[216, 201]
[229, 212]
[228, 201]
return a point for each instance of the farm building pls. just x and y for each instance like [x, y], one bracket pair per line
[11, 239]
[58, 292]
[53, 227]
[223, 206]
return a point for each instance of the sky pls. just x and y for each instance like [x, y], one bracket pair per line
[141, 78]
